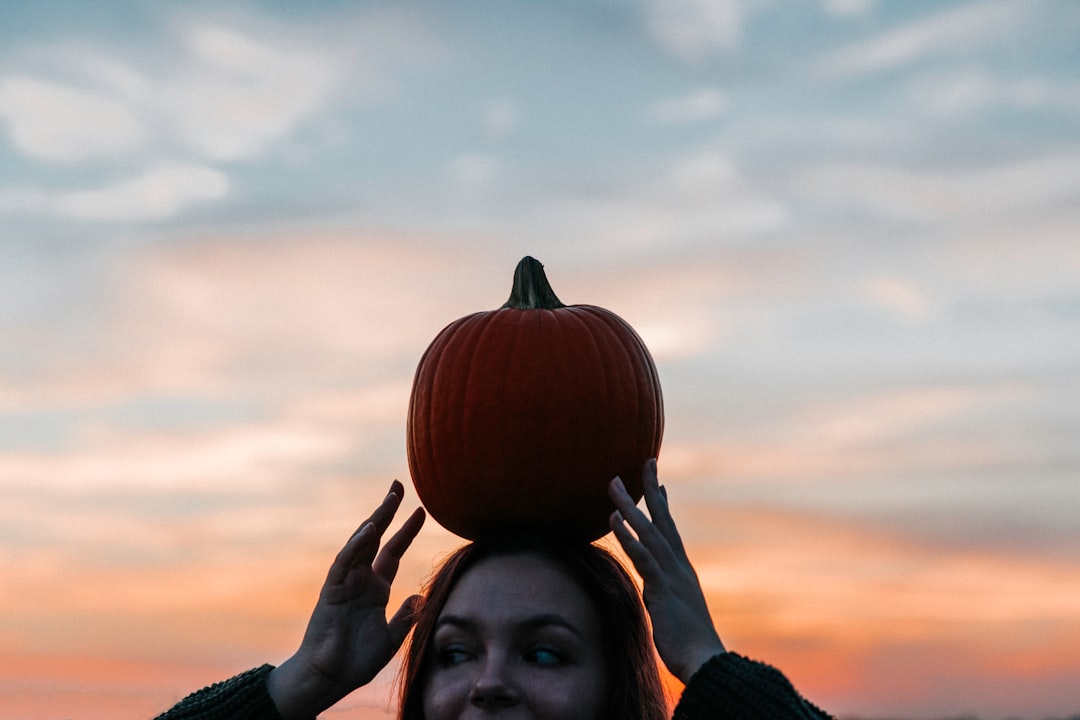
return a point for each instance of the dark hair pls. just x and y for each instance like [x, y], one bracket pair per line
[634, 690]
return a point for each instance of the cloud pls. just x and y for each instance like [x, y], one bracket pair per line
[60, 123]
[903, 297]
[264, 317]
[948, 32]
[826, 452]
[844, 8]
[215, 93]
[1021, 188]
[699, 197]
[849, 605]
[225, 460]
[848, 424]
[929, 586]
[230, 96]
[695, 29]
[156, 194]
[236, 95]
[967, 91]
[704, 104]
[501, 118]
[474, 170]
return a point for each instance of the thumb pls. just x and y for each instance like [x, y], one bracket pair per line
[402, 621]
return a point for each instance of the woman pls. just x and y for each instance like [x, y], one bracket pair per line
[523, 627]
[531, 621]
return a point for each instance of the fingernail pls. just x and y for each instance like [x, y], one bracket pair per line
[618, 483]
[364, 530]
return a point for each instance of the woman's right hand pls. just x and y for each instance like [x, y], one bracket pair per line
[348, 638]
[683, 629]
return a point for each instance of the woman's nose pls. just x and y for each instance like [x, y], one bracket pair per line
[494, 687]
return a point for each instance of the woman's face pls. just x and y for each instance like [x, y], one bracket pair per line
[517, 638]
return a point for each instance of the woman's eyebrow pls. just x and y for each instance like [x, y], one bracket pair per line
[531, 622]
[457, 621]
[549, 620]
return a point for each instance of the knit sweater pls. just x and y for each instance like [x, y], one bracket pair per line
[732, 687]
[728, 686]
[243, 697]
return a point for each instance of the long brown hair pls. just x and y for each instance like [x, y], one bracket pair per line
[634, 690]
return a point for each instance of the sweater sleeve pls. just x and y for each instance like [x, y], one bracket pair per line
[734, 687]
[244, 697]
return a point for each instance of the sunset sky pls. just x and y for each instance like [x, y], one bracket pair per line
[848, 230]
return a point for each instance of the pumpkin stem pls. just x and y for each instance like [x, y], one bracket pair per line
[531, 290]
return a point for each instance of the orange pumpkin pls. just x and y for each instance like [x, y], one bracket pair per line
[519, 417]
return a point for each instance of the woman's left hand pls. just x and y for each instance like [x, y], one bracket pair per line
[349, 639]
[683, 629]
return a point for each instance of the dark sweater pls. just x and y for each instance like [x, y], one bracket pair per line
[732, 687]
[729, 686]
[243, 697]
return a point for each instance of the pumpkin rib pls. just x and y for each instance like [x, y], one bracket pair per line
[444, 368]
[600, 350]
[617, 391]
[421, 405]
[509, 322]
[633, 358]
[634, 348]
[475, 411]
[447, 367]
[474, 365]
[572, 362]
[422, 450]
[658, 396]
[650, 368]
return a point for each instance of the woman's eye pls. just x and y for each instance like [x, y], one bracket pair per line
[453, 655]
[546, 657]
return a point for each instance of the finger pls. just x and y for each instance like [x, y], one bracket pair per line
[381, 519]
[648, 534]
[384, 512]
[364, 542]
[656, 501]
[346, 557]
[389, 558]
[639, 555]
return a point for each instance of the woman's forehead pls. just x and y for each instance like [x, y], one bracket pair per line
[518, 586]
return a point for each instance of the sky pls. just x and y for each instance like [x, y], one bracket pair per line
[846, 229]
